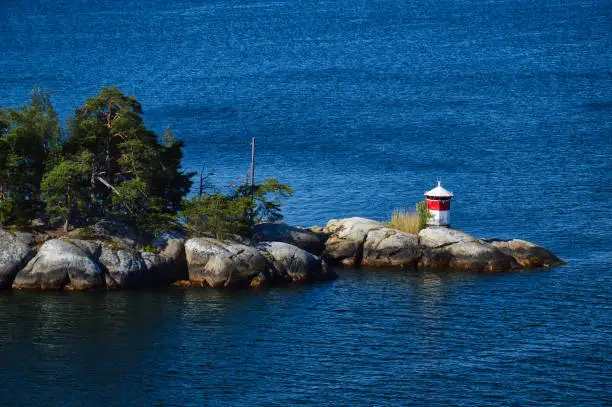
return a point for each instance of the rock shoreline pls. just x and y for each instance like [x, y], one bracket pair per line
[109, 257]
[365, 242]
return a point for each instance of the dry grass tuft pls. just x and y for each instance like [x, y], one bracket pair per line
[405, 220]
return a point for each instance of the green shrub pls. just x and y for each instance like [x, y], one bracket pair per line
[424, 214]
[217, 215]
[224, 216]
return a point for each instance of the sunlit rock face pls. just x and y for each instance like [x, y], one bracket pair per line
[220, 264]
[388, 247]
[527, 254]
[292, 264]
[15, 251]
[60, 265]
[448, 248]
[346, 239]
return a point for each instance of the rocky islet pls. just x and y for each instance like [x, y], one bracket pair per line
[110, 258]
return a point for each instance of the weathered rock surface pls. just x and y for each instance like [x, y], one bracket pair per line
[291, 263]
[169, 264]
[346, 239]
[387, 247]
[198, 252]
[526, 254]
[94, 258]
[281, 232]
[15, 251]
[225, 264]
[440, 236]
[123, 268]
[443, 247]
[60, 264]
[92, 248]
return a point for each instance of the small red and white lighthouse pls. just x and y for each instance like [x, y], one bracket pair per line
[438, 203]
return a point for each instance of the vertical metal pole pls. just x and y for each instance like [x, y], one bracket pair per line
[253, 168]
[68, 204]
[201, 183]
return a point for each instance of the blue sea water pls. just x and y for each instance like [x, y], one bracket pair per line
[359, 106]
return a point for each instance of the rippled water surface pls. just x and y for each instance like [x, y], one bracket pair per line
[370, 337]
[359, 106]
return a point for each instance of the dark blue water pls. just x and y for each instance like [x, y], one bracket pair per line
[359, 106]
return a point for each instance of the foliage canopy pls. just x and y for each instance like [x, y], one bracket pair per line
[108, 164]
[29, 142]
[132, 175]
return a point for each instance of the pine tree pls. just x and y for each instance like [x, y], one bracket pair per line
[29, 141]
[132, 175]
[64, 189]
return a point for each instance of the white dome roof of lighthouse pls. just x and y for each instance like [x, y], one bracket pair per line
[439, 191]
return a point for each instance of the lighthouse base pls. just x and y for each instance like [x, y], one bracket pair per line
[439, 218]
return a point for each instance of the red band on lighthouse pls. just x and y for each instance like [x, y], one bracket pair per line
[438, 205]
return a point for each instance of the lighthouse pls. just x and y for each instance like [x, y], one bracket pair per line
[438, 203]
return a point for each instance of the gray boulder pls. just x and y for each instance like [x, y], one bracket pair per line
[16, 249]
[291, 263]
[527, 254]
[123, 268]
[221, 264]
[387, 247]
[58, 265]
[346, 239]
[169, 264]
[433, 236]
[448, 248]
[198, 252]
[92, 248]
[281, 232]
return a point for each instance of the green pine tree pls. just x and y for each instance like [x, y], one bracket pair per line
[64, 189]
[132, 175]
[29, 145]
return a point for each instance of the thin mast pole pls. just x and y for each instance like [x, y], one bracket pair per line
[253, 168]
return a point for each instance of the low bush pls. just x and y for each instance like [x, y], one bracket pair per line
[225, 216]
[405, 220]
[410, 221]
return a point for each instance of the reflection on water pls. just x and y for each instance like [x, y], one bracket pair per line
[370, 335]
